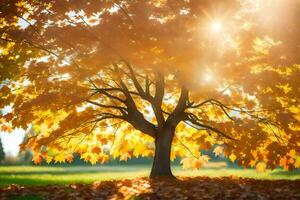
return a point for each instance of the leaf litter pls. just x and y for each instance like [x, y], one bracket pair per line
[179, 189]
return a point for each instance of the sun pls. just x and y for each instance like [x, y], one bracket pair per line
[216, 27]
[207, 77]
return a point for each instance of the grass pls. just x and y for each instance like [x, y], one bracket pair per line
[39, 175]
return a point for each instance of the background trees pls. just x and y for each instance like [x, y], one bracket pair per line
[93, 75]
[2, 154]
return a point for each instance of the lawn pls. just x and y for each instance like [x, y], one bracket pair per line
[39, 175]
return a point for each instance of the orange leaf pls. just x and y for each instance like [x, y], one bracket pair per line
[96, 150]
[37, 159]
[69, 158]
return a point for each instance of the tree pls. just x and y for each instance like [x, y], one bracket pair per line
[159, 78]
[2, 154]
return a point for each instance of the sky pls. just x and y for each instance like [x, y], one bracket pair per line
[11, 141]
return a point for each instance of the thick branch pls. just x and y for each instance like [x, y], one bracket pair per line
[178, 114]
[136, 83]
[158, 99]
[135, 117]
[155, 101]
[182, 102]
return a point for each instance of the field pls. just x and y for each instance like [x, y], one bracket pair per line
[39, 175]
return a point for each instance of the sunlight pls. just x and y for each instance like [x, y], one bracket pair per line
[207, 77]
[216, 27]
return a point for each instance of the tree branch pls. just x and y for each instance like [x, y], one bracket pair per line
[194, 120]
[107, 106]
[178, 114]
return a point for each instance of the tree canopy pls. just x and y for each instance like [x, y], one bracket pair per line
[110, 78]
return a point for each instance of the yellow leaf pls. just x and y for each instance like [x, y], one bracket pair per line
[173, 156]
[93, 159]
[253, 163]
[292, 153]
[218, 150]
[60, 158]
[83, 148]
[85, 156]
[126, 156]
[139, 149]
[261, 167]
[49, 159]
[232, 157]
[297, 162]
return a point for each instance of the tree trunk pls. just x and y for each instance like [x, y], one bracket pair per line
[161, 164]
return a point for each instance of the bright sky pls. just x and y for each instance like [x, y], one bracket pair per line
[11, 141]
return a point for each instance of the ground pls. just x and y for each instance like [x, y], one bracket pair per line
[143, 188]
[111, 182]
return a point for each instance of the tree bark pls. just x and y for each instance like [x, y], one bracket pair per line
[161, 166]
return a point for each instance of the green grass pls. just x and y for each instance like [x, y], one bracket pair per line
[38, 175]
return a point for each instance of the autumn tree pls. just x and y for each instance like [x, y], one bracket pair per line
[161, 78]
[2, 155]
